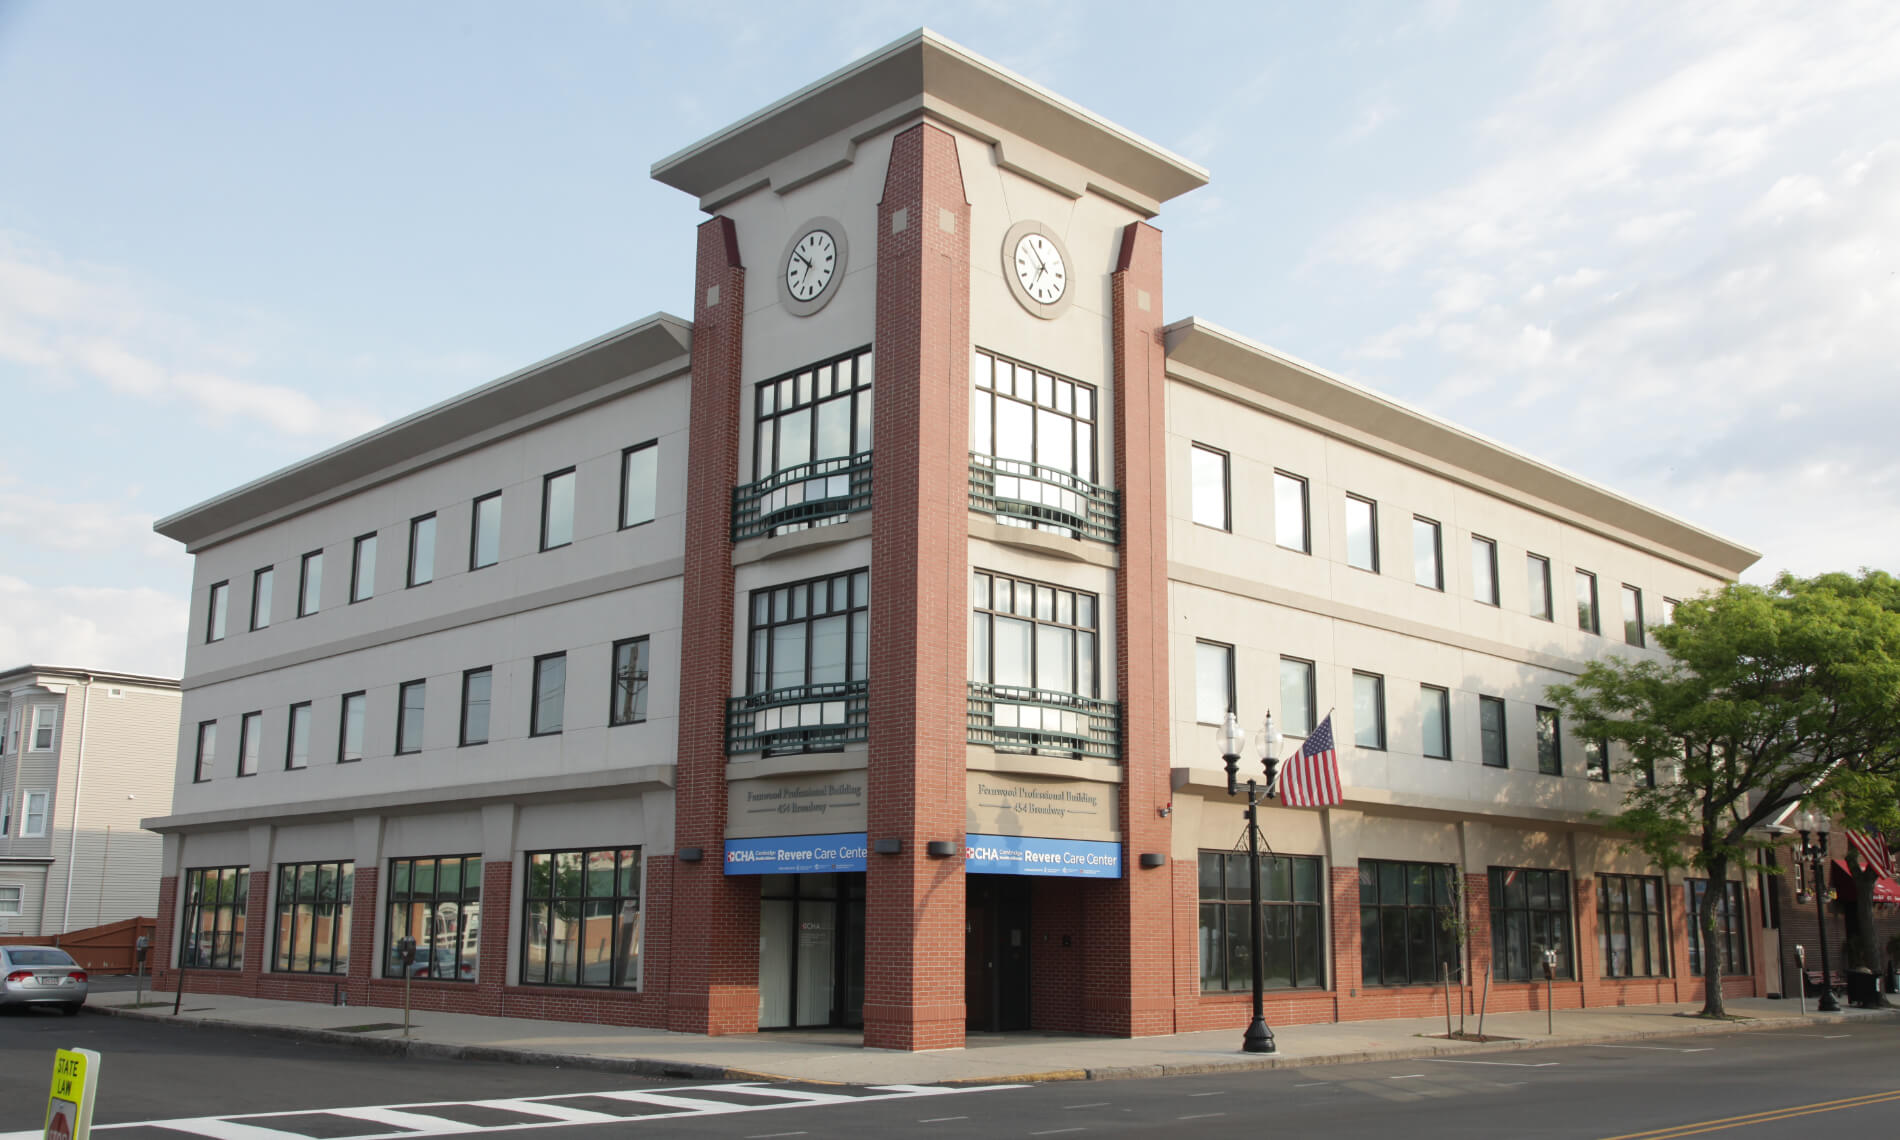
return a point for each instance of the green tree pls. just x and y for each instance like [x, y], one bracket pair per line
[1770, 694]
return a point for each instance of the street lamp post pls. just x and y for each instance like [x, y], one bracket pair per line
[1816, 855]
[1258, 1038]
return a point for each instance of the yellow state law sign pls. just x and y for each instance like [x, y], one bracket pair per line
[69, 1104]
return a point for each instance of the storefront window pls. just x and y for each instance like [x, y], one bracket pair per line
[581, 919]
[313, 917]
[213, 929]
[438, 902]
[1290, 906]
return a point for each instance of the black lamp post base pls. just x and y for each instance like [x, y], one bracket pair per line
[1827, 1004]
[1259, 1038]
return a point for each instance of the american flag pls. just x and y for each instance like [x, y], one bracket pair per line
[1310, 777]
[1873, 851]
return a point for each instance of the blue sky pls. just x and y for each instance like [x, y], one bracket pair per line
[1657, 245]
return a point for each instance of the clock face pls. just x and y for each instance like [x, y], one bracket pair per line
[1039, 268]
[812, 262]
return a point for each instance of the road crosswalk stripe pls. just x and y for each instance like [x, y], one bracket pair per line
[663, 1100]
[218, 1129]
[397, 1118]
[550, 1111]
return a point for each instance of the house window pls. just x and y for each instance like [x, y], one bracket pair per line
[1290, 529]
[1630, 929]
[421, 550]
[1368, 710]
[1632, 615]
[1596, 760]
[44, 718]
[6, 813]
[212, 933]
[1491, 736]
[250, 742]
[581, 923]
[438, 902]
[214, 616]
[363, 569]
[1428, 562]
[297, 739]
[1530, 914]
[1402, 912]
[557, 509]
[10, 900]
[310, 584]
[1484, 570]
[1296, 695]
[207, 755]
[1434, 706]
[313, 917]
[476, 686]
[33, 816]
[484, 538]
[550, 695]
[1587, 602]
[1730, 922]
[349, 740]
[812, 424]
[1207, 473]
[1362, 534]
[1537, 573]
[629, 682]
[640, 483]
[411, 698]
[261, 583]
[1213, 682]
[1290, 906]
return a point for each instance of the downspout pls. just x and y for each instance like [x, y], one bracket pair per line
[79, 777]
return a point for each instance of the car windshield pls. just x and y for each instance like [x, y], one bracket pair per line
[40, 958]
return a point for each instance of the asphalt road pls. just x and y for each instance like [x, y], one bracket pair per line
[1841, 1080]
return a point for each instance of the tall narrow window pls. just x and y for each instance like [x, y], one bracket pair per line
[1428, 556]
[484, 539]
[1632, 937]
[44, 718]
[1537, 574]
[476, 686]
[1434, 706]
[1550, 756]
[1587, 602]
[550, 695]
[250, 742]
[1491, 732]
[422, 549]
[629, 682]
[215, 613]
[1368, 710]
[557, 509]
[1213, 681]
[349, 737]
[1669, 611]
[1290, 524]
[1362, 534]
[1632, 615]
[261, 583]
[207, 756]
[411, 699]
[1207, 474]
[211, 935]
[6, 813]
[363, 569]
[310, 584]
[33, 816]
[1297, 698]
[1484, 570]
[314, 901]
[639, 483]
[1596, 760]
[1530, 915]
[297, 739]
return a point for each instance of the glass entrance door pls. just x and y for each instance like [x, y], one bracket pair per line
[811, 951]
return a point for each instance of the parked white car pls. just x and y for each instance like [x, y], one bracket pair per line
[41, 975]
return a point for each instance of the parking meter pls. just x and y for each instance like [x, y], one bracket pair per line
[1550, 990]
[1801, 967]
[140, 948]
[1550, 965]
[406, 953]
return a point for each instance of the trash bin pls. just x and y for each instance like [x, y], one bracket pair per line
[1863, 989]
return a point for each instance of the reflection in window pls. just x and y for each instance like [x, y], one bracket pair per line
[313, 917]
[212, 933]
[437, 902]
[581, 923]
[1537, 573]
[1296, 696]
[1368, 710]
[1402, 911]
[557, 509]
[1213, 682]
[1530, 915]
[629, 682]
[639, 483]
[1207, 472]
[1491, 732]
[545, 718]
[809, 425]
[1484, 570]
[1428, 563]
[1037, 430]
[1434, 706]
[1290, 902]
[475, 692]
[1550, 757]
[1630, 926]
[1362, 534]
[1290, 523]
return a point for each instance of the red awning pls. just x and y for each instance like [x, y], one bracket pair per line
[1885, 889]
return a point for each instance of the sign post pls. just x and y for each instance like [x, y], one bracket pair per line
[69, 1104]
[140, 949]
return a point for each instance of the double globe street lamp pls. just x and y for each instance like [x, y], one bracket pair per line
[1232, 741]
[1811, 821]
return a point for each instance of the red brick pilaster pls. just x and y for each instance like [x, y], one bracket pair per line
[1478, 913]
[158, 962]
[1128, 980]
[1589, 952]
[257, 917]
[1348, 958]
[714, 980]
[365, 956]
[913, 985]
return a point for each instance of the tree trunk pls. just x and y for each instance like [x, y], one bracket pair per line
[1712, 946]
[1866, 950]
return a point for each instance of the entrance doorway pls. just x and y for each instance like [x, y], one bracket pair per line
[811, 951]
[996, 953]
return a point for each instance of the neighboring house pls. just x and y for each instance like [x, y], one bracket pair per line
[638, 686]
[87, 753]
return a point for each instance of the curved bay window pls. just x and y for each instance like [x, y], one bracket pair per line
[807, 662]
[811, 451]
[212, 934]
[1032, 450]
[1290, 902]
[581, 919]
[1033, 685]
[437, 902]
[313, 917]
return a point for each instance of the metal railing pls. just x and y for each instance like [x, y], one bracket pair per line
[1045, 498]
[803, 718]
[1046, 723]
[810, 494]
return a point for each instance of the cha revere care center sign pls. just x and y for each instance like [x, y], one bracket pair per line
[1031, 855]
[796, 854]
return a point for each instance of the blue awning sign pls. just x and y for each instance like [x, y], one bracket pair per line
[796, 854]
[1033, 855]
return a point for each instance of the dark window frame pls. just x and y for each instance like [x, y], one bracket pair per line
[984, 609]
[1622, 896]
[1296, 926]
[1378, 680]
[1502, 735]
[250, 742]
[1311, 711]
[1393, 917]
[290, 894]
[343, 728]
[462, 735]
[1444, 720]
[535, 727]
[298, 710]
[1539, 564]
[1633, 632]
[1306, 511]
[1233, 697]
[307, 605]
[475, 530]
[1731, 919]
[547, 493]
[1550, 761]
[1372, 529]
[402, 717]
[262, 574]
[410, 580]
[465, 900]
[616, 902]
[1590, 613]
[362, 586]
[1226, 486]
[1503, 884]
[1438, 553]
[227, 937]
[1596, 760]
[627, 696]
[1089, 471]
[217, 611]
[199, 775]
[1490, 546]
[626, 472]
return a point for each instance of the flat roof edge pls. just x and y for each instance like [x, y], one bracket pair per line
[71, 673]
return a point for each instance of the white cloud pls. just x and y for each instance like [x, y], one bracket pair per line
[34, 519]
[136, 630]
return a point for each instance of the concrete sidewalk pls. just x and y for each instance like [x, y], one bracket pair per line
[1015, 1057]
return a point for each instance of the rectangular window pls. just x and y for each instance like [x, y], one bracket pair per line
[1428, 561]
[207, 755]
[250, 742]
[550, 695]
[557, 509]
[438, 902]
[484, 537]
[261, 583]
[1484, 570]
[1550, 756]
[1669, 611]
[1491, 732]
[363, 569]
[1587, 602]
[1730, 926]
[1632, 939]
[313, 917]
[1030, 635]
[411, 698]
[1290, 904]
[1368, 710]
[1290, 529]
[10, 900]
[813, 432]
[581, 922]
[1362, 534]
[808, 658]
[297, 740]
[212, 934]
[1213, 682]
[1402, 912]
[421, 550]
[33, 816]
[215, 613]
[1434, 707]
[1207, 474]
[44, 719]
[6, 813]
[349, 740]
[1632, 615]
[476, 685]
[310, 584]
[1530, 916]
[639, 483]
[629, 682]
[1537, 573]
[1020, 413]
[1596, 760]
[1296, 696]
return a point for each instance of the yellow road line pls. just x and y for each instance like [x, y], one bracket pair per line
[1697, 1127]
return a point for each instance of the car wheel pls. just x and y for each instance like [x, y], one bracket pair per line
[72, 1010]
